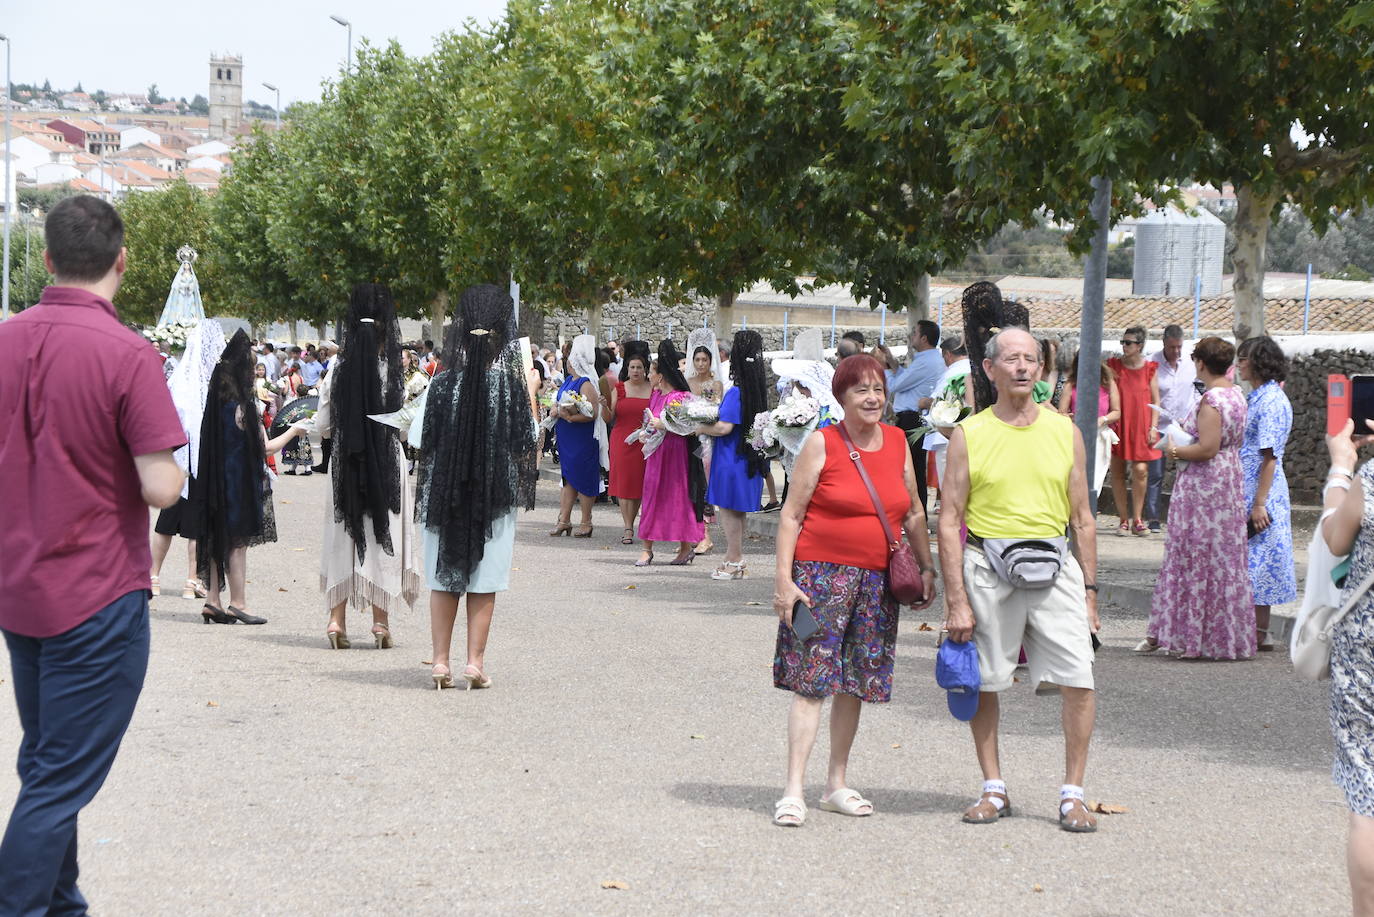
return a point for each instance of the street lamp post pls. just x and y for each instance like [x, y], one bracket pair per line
[9, 185]
[269, 86]
[348, 63]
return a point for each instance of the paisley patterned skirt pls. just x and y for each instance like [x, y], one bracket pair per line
[854, 649]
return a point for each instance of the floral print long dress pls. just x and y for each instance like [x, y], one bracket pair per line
[1268, 421]
[1202, 605]
[1352, 672]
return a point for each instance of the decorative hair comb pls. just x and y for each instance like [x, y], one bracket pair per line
[479, 331]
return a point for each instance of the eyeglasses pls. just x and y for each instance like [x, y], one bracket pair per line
[1125, 341]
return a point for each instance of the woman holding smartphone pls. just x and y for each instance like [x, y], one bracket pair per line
[832, 557]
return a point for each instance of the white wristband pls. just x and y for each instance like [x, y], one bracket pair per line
[1349, 473]
[1334, 484]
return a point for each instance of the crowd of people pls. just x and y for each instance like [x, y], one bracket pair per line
[672, 435]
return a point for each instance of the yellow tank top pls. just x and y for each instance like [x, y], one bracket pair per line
[1018, 476]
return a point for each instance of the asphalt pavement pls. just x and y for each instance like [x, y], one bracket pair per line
[632, 739]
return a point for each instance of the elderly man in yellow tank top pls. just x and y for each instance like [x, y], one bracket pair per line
[1015, 475]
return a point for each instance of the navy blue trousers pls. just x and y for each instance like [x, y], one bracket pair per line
[76, 694]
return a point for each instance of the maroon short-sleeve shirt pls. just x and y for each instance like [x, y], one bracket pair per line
[80, 396]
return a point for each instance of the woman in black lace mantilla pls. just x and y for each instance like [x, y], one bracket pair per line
[477, 467]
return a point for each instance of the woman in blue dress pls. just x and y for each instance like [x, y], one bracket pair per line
[1269, 420]
[735, 486]
[582, 441]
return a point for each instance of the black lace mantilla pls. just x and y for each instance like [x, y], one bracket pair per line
[478, 455]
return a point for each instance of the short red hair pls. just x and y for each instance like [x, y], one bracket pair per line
[855, 369]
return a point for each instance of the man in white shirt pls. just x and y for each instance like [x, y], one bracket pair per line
[1177, 397]
[269, 361]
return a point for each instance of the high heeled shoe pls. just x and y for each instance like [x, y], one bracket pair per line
[683, 560]
[475, 678]
[382, 634]
[442, 679]
[193, 590]
[338, 640]
[731, 569]
[644, 562]
[562, 528]
[212, 615]
[156, 587]
[244, 617]
[581, 534]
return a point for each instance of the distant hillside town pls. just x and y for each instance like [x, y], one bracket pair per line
[113, 144]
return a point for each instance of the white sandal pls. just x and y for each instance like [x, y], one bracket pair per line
[847, 801]
[789, 812]
[1146, 647]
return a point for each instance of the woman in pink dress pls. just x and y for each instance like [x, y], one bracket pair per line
[1202, 606]
[669, 512]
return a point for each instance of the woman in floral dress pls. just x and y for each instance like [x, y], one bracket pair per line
[1348, 527]
[1202, 606]
[1269, 420]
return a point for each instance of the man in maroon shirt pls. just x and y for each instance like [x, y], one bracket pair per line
[87, 430]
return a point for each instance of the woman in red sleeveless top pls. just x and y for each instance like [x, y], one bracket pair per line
[833, 556]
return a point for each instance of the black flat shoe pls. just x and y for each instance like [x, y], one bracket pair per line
[239, 614]
[213, 615]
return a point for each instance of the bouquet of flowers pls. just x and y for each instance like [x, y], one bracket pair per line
[945, 413]
[703, 411]
[677, 415]
[171, 336]
[569, 400]
[763, 436]
[649, 436]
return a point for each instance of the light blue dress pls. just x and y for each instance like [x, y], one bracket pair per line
[1268, 422]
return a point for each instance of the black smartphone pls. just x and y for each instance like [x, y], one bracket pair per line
[1362, 402]
[804, 623]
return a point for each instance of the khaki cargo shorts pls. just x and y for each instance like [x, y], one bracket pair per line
[1051, 623]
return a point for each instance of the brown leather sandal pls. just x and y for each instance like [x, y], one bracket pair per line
[1077, 819]
[983, 812]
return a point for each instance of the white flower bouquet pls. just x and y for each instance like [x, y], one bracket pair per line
[569, 400]
[944, 415]
[170, 336]
[703, 411]
[763, 436]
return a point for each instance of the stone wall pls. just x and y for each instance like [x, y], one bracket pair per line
[1305, 460]
[649, 319]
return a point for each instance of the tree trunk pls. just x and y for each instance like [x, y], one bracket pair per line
[438, 310]
[594, 313]
[291, 331]
[725, 317]
[920, 309]
[1253, 212]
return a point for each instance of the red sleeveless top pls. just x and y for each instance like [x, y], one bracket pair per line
[841, 525]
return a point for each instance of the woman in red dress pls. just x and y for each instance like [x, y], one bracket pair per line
[629, 400]
[1138, 428]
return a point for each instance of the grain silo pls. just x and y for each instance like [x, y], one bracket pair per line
[1172, 248]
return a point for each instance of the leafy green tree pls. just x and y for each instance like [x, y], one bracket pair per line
[257, 283]
[28, 274]
[1150, 93]
[156, 224]
[155, 97]
[200, 105]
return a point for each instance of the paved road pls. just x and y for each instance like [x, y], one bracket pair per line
[633, 735]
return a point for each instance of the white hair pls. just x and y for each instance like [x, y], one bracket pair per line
[994, 342]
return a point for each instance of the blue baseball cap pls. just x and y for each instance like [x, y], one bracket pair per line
[956, 670]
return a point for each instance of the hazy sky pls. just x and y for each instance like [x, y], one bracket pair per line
[125, 46]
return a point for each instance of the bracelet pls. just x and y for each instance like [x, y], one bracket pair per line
[1092, 586]
[1345, 471]
[1336, 484]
